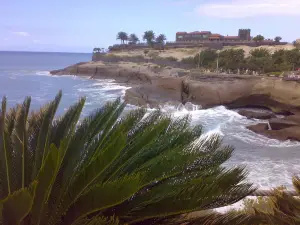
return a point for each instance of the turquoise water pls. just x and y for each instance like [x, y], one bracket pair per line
[270, 162]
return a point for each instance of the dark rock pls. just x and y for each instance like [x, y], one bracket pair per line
[257, 115]
[278, 124]
[290, 133]
[259, 128]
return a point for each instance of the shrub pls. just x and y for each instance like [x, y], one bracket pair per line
[108, 168]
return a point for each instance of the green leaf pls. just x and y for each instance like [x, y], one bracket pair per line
[94, 169]
[45, 180]
[20, 140]
[43, 133]
[102, 197]
[17, 206]
[5, 155]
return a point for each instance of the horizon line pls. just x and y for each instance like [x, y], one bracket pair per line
[45, 52]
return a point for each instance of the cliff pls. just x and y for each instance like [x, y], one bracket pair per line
[154, 86]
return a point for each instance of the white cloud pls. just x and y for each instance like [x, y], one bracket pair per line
[21, 33]
[245, 8]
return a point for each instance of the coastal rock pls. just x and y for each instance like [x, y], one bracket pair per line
[160, 91]
[278, 124]
[256, 115]
[291, 133]
[259, 128]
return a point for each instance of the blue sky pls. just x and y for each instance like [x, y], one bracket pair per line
[78, 26]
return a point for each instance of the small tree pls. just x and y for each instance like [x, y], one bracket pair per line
[278, 39]
[161, 38]
[123, 36]
[149, 36]
[293, 58]
[258, 38]
[133, 39]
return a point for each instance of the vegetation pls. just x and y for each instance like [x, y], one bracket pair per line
[161, 39]
[109, 167]
[123, 36]
[258, 38]
[234, 60]
[133, 39]
[280, 209]
[149, 36]
[278, 39]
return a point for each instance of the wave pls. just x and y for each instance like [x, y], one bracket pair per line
[43, 73]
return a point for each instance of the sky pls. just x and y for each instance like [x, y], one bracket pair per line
[81, 25]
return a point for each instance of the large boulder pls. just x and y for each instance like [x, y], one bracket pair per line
[256, 115]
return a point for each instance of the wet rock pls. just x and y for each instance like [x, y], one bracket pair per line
[257, 115]
[278, 124]
[259, 128]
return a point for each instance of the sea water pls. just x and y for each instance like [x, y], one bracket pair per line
[270, 162]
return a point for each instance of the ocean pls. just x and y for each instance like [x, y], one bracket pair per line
[270, 163]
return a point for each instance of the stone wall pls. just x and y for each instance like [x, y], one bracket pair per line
[182, 44]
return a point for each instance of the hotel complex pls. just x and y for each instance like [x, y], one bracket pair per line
[200, 36]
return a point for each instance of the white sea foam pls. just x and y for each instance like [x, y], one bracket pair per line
[43, 73]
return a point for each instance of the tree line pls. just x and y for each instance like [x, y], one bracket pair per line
[260, 60]
[148, 36]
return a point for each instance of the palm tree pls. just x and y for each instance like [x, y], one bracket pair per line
[123, 36]
[161, 38]
[278, 39]
[108, 168]
[96, 50]
[133, 38]
[149, 36]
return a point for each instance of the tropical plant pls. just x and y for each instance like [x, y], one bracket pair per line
[123, 36]
[280, 208]
[96, 50]
[109, 167]
[258, 38]
[278, 39]
[161, 39]
[149, 36]
[133, 39]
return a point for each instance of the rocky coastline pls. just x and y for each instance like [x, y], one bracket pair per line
[153, 85]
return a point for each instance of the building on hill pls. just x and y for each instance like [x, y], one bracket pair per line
[200, 36]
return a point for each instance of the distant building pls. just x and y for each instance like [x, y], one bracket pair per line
[243, 35]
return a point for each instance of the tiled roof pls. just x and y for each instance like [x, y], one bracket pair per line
[181, 33]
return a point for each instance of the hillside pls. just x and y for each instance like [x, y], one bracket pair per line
[180, 53]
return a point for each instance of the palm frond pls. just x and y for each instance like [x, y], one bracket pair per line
[17, 205]
[40, 124]
[21, 153]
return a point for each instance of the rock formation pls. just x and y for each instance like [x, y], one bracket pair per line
[273, 93]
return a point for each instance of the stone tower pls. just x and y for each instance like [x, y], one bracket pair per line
[244, 34]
